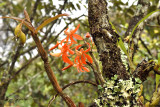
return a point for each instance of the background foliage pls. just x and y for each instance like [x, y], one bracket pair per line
[31, 86]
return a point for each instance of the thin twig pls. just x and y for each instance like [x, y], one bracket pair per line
[16, 73]
[145, 46]
[97, 71]
[34, 9]
[72, 83]
[26, 83]
[15, 59]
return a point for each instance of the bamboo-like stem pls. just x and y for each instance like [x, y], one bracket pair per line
[50, 73]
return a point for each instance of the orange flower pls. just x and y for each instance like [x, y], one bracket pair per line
[81, 57]
[65, 49]
[81, 67]
[82, 54]
[67, 67]
[72, 34]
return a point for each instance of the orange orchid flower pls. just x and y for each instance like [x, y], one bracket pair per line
[81, 67]
[65, 49]
[81, 57]
[72, 34]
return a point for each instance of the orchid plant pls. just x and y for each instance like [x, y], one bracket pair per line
[66, 47]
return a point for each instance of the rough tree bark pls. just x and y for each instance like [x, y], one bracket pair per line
[105, 39]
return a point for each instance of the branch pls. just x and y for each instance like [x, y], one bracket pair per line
[34, 9]
[15, 57]
[50, 73]
[142, 7]
[72, 83]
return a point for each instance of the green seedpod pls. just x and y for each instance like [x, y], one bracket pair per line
[22, 37]
[17, 30]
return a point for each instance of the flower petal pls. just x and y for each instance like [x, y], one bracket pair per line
[86, 69]
[72, 40]
[66, 59]
[55, 54]
[89, 48]
[63, 40]
[78, 47]
[78, 68]
[83, 59]
[75, 30]
[67, 67]
[70, 51]
[78, 37]
[54, 46]
[81, 69]
[76, 58]
[89, 58]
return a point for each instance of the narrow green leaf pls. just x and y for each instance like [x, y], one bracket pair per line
[158, 76]
[121, 44]
[142, 21]
[27, 24]
[49, 21]
[113, 26]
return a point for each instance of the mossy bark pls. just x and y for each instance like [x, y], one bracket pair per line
[105, 39]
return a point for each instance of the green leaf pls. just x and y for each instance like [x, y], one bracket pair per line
[121, 44]
[158, 76]
[49, 21]
[142, 21]
[113, 26]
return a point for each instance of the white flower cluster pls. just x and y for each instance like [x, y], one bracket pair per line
[119, 93]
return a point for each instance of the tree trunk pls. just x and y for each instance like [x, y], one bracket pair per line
[105, 40]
